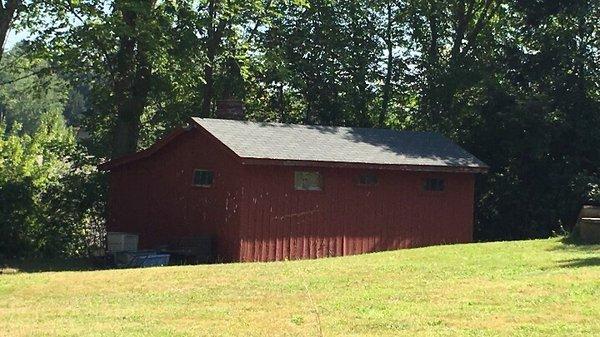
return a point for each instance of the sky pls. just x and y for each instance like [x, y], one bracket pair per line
[13, 38]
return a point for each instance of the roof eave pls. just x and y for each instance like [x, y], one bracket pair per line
[423, 168]
[126, 159]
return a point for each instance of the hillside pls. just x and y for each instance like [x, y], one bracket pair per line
[524, 288]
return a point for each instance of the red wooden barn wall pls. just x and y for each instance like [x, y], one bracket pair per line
[256, 215]
[344, 218]
[155, 198]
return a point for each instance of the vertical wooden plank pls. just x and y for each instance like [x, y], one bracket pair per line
[369, 223]
[314, 230]
[268, 220]
[314, 242]
[383, 236]
[337, 220]
[296, 233]
[351, 225]
[291, 221]
[243, 223]
[278, 243]
[358, 242]
[275, 214]
[251, 222]
[286, 231]
[288, 210]
[319, 227]
[264, 225]
[258, 228]
[326, 215]
[328, 211]
[263, 220]
[303, 203]
[345, 222]
[296, 249]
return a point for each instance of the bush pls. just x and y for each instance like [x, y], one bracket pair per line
[49, 193]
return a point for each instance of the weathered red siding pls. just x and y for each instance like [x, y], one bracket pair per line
[256, 215]
[155, 198]
[344, 218]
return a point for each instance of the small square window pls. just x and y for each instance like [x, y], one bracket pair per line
[434, 185]
[367, 179]
[203, 178]
[307, 181]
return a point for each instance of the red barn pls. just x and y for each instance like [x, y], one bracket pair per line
[268, 191]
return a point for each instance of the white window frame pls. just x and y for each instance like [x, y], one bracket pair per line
[300, 181]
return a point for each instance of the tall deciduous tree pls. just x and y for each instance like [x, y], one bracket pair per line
[9, 9]
[451, 38]
[133, 71]
[124, 50]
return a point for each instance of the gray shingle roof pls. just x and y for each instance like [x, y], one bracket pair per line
[338, 144]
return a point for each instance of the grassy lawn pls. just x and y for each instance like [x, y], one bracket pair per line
[524, 288]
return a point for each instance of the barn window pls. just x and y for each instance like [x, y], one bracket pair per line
[434, 184]
[307, 181]
[367, 179]
[203, 178]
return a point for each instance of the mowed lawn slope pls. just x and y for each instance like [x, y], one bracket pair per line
[524, 288]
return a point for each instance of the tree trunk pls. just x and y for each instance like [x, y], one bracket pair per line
[283, 115]
[208, 91]
[132, 79]
[428, 103]
[212, 43]
[387, 84]
[8, 13]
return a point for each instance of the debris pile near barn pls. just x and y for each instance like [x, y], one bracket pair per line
[588, 224]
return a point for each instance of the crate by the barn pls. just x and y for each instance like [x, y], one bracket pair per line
[121, 242]
[588, 224]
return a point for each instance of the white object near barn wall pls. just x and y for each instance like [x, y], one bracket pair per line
[121, 242]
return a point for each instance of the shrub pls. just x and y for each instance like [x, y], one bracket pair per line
[49, 193]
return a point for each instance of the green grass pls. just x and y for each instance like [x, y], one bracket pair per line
[524, 288]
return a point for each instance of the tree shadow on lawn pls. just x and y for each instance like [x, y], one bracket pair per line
[15, 266]
[575, 244]
[582, 262]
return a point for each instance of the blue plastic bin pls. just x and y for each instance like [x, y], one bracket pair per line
[149, 260]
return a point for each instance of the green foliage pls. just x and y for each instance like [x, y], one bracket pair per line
[46, 204]
[535, 124]
[29, 89]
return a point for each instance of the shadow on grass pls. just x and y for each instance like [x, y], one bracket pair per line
[583, 262]
[574, 244]
[50, 265]
[571, 243]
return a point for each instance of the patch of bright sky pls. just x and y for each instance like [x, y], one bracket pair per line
[14, 38]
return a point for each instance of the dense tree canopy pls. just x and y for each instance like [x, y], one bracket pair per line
[515, 82]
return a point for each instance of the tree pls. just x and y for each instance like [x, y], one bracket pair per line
[43, 210]
[453, 39]
[536, 123]
[29, 89]
[119, 50]
[9, 9]
[132, 71]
